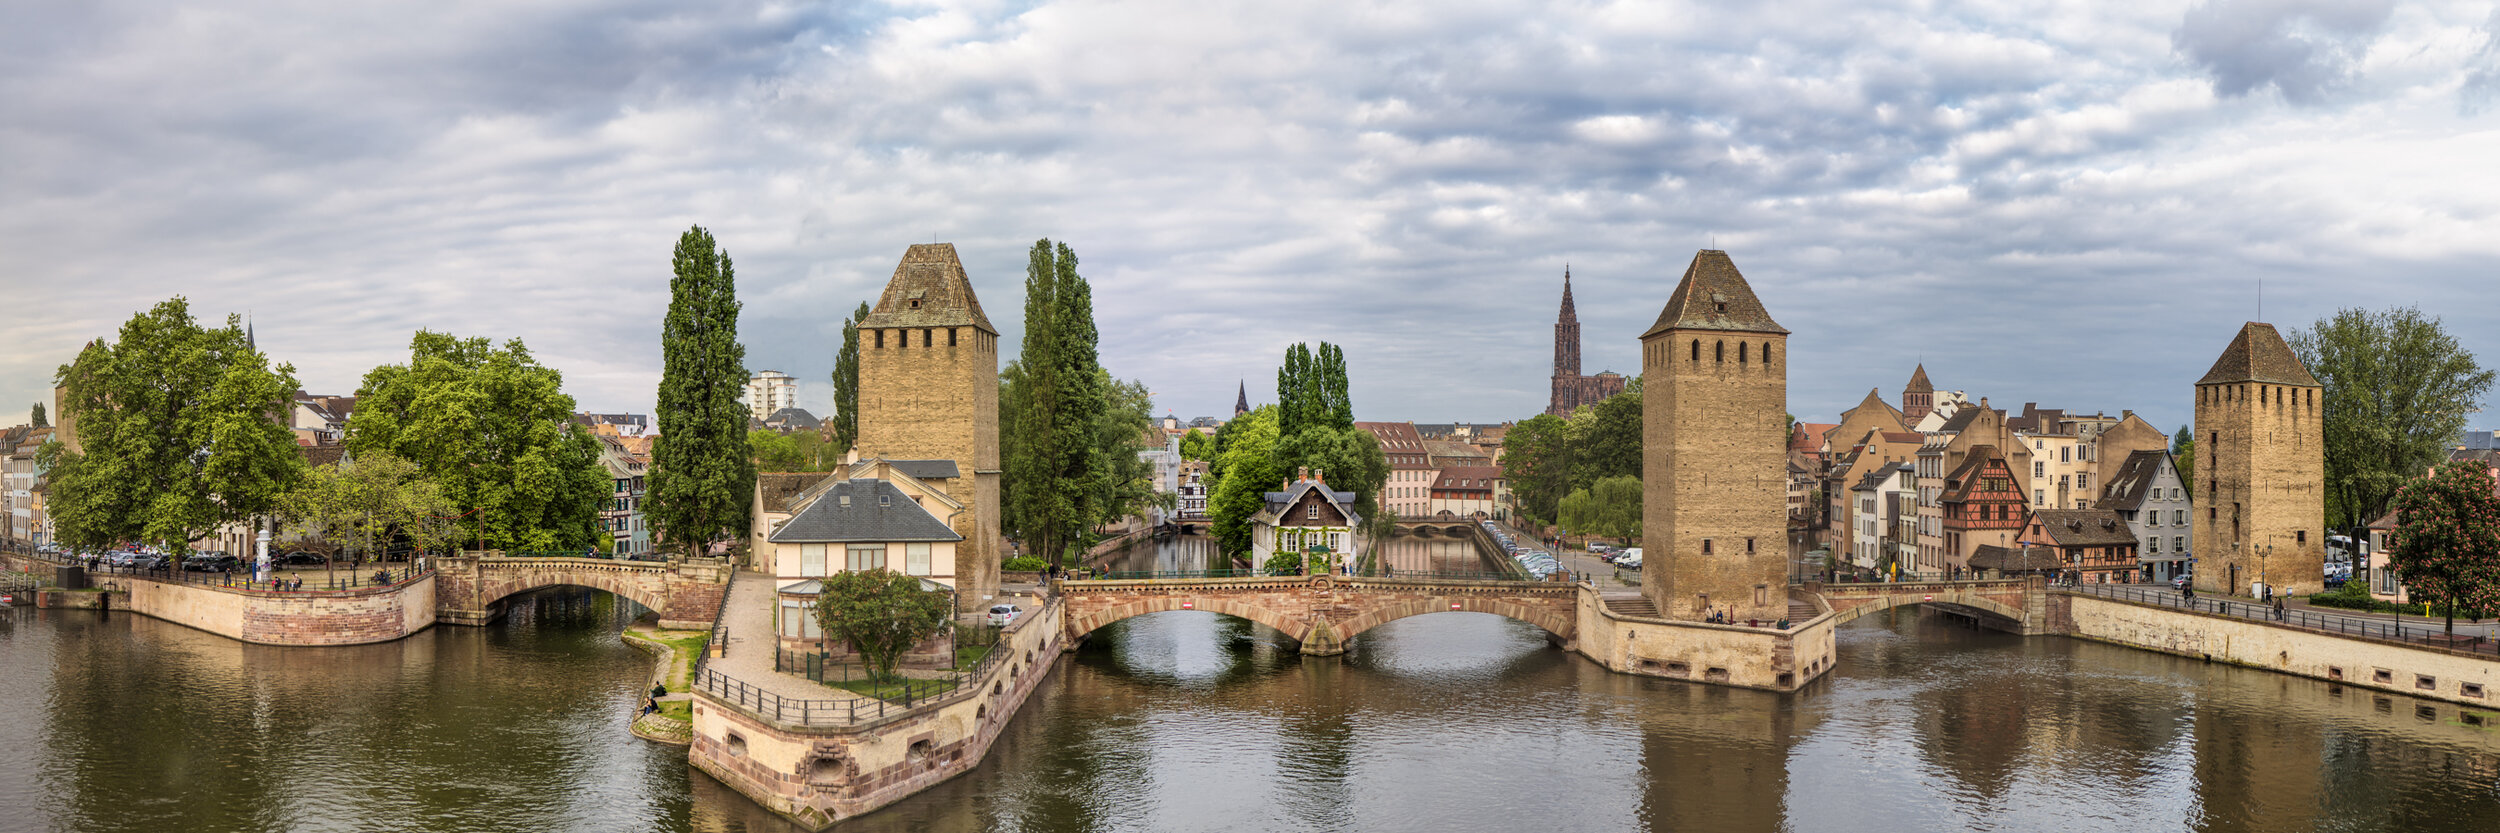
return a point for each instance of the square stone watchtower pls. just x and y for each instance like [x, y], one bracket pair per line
[1714, 460]
[928, 390]
[2260, 494]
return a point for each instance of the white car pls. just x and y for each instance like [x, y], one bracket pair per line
[1000, 615]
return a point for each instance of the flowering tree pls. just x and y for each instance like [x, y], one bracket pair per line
[2447, 539]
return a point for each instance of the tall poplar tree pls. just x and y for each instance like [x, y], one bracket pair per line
[40, 422]
[846, 384]
[1051, 399]
[175, 434]
[702, 470]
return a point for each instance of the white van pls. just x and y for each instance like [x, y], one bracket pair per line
[1631, 558]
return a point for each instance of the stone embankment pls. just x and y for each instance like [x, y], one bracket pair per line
[2424, 671]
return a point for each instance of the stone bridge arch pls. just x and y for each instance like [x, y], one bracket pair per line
[1297, 629]
[686, 594]
[2012, 604]
[1322, 612]
[1563, 624]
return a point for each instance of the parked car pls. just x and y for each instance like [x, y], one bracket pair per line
[212, 562]
[1000, 615]
[298, 558]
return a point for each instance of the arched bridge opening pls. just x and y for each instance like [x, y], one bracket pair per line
[472, 590]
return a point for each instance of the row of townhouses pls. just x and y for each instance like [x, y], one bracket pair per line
[1942, 483]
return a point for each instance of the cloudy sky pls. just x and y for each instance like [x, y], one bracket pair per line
[2069, 203]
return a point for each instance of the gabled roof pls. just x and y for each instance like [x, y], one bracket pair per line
[2005, 559]
[862, 510]
[1874, 400]
[796, 418]
[777, 489]
[1278, 502]
[2258, 354]
[1875, 478]
[1468, 477]
[322, 455]
[1918, 381]
[2085, 528]
[928, 469]
[1714, 296]
[1809, 435]
[1964, 480]
[1961, 420]
[929, 289]
[2127, 488]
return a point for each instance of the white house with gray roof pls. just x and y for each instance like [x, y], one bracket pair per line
[1306, 515]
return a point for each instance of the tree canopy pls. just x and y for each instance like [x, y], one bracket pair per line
[1547, 458]
[364, 504]
[1069, 433]
[175, 433]
[2446, 545]
[1196, 446]
[881, 614]
[40, 421]
[846, 384]
[794, 451]
[493, 429]
[1611, 507]
[2183, 452]
[1250, 466]
[2397, 389]
[702, 477]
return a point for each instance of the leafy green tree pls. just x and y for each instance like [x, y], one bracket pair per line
[1536, 459]
[493, 429]
[1618, 504]
[1350, 460]
[364, 504]
[2447, 540]
[175, 433]
[795, 451]
[1311, 390]
[1250, 466]
[881, 614]
[2397, 391]
[1123, 429]
[846, 383]
[1605, 440]
[702, 478]
[40, 422]
[1195, 445]
[2183, 450]
[1060, 475]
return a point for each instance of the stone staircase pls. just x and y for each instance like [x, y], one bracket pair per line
[1633, 606]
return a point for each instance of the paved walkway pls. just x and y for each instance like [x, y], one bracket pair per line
[747, 613]
[2299, 613]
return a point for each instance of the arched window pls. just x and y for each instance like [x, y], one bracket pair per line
[1740, 352]
[1697, 349]
[1718, 353]
[1766, 352]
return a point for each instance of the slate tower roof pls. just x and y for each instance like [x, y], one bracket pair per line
[929, 289]
[1714, 296]
[1241, 401]
[2258, 354]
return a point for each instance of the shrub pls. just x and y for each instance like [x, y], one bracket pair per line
[1025, 563]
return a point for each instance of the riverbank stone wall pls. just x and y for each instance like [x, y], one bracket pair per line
[316, 617]
[818, 775]
[2424, 672]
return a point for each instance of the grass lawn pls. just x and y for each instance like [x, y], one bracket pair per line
[967, 656]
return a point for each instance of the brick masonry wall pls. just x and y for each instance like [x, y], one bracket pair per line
[1321, 612]
[2264, 460]
[342, 617]
[820, 775]
[1715, 451]
[940, 401]
[685, 594]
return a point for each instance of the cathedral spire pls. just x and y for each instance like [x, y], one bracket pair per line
[1241, 401]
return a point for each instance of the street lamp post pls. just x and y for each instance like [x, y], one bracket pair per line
[2262, 553]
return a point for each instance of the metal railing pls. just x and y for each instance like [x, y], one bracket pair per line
[905, 694]
[1847, 578]
[1420, 575]
[2345, 624]
[343, 580]
[652, 557]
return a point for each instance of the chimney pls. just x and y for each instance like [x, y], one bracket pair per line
[1320, 475]
[1302, 473]
[2123, 414]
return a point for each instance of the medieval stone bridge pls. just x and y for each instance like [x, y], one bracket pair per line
[469, 590]
[2019, 605]
[1322, 612]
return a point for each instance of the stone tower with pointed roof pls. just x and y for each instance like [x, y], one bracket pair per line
[1714, 371]
[1918, 398]
[928, 390]
[2260, 494]
[1241, 401]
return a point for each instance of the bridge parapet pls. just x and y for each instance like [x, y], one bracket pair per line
[1323, 611]
[686, 593]
[2017, 604]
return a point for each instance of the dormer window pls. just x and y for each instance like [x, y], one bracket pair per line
[885, 500]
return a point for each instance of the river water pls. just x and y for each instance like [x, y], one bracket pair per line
[1187, 721]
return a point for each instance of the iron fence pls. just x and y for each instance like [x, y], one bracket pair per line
[2392, 629]
[888, 698]
[1424, 575]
